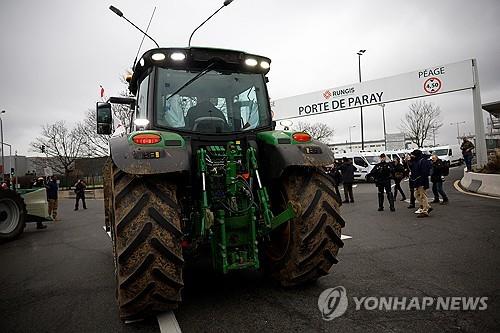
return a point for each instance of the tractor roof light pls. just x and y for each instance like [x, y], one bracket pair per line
[301, 137]
[177, 56]
[264, 64]
[146, 139]
[141, 62]
[158, 56]
[251, 62]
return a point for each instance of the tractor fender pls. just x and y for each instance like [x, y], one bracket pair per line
[144, 160]
[275, 158]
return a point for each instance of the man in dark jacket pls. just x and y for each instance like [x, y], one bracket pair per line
[409, 160]
[382, 173]
[347, 170]
[334, 172]
[467, 147]
[420, 170]
[52, 189]
[438, 168]
[80, 193]
[399, 175]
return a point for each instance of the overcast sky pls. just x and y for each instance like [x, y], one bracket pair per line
[55, 54]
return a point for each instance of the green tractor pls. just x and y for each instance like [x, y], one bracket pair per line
[20, 207]
[204, 172]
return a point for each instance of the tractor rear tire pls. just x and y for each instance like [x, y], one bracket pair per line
[306, 247]
[146, 232]
[12, 215]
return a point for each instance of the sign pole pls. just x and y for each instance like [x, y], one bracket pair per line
[481, 152]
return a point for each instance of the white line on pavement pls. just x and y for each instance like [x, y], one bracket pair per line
[108, 232]
[345, 237]
[168, 323]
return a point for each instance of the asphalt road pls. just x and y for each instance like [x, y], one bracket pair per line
[61, 279]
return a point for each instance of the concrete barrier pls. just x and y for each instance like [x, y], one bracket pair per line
[482, 183]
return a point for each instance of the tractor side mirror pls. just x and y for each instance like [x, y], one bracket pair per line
[104, 118]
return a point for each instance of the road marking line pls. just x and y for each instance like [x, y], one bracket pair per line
[345, 237]
[168, 323]
[355, 185]
[108, 232]
[459, 189]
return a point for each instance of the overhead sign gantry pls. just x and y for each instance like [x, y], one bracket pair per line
[425, 82]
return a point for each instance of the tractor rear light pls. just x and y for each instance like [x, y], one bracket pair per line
[146, 139]
[301, 137]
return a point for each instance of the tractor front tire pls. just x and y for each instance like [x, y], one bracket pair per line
[306, 247]
[12, 215]
[146, 227]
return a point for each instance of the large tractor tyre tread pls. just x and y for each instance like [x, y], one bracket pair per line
[148, 254]
[13, 215]
[108, 209]
[313, 237]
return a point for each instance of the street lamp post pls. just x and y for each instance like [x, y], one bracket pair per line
[1, 137]
[360, 53]
[350, 139]
[458, 123]
[382, 105]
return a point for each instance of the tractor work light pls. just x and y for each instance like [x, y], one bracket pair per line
[141, 62]
[264, 64]
[301, 137]
[251, 62]
[146, 139]
[177, 56]
[139, 122]
[158, 56]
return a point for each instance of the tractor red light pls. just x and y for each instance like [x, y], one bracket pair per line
[301, 137]
[146, 139]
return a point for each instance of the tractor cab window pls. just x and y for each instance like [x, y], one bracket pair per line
[213, 103]
[142, 100]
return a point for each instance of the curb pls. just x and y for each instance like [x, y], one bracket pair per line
[482, 183]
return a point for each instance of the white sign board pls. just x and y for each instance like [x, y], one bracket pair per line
[425, 82]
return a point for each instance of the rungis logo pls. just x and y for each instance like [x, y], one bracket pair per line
[332, 303]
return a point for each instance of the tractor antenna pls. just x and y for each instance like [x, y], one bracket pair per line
[226, 2]
[119, 13]
[143, 36]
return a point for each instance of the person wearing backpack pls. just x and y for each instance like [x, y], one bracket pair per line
[420, 171]
[439, 170]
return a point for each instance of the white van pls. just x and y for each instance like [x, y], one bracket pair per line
[450, 153]
[363, 162]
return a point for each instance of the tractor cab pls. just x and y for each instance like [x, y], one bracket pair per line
[197, 90]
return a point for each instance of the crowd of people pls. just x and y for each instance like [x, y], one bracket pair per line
[416, 166]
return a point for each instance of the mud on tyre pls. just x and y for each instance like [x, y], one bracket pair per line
[146, 228]
[306, 248]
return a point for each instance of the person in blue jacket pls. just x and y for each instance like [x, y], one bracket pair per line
[420, 172]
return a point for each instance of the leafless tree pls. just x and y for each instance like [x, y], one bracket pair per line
[61, 145]
[319, 131]
[420, 121]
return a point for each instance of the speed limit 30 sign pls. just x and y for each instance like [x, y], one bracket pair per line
[432, 85]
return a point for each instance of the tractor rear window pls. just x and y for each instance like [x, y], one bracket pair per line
[213, 103]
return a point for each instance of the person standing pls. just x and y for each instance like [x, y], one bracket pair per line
[437, 175]
[347, 169]
[382, 173]
[52, 189]
[420, 170]
[80, 193]
[334, 172]
[467, 148]
[408, 162]
[399, 175]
